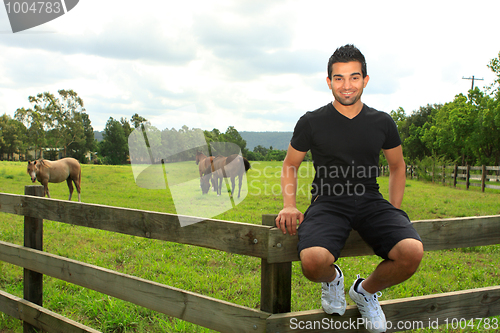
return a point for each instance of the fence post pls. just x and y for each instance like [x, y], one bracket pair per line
[433, 170]
[33, 238]
[467, 177]
[455, 175]
[275, 281]
[444, 174]
[483, 178]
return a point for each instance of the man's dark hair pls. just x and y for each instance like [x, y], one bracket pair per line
[347, 53]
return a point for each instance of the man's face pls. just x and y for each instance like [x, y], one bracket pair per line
[347, 82]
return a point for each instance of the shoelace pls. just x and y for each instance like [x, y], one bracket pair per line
[330, 286]
[372, 305]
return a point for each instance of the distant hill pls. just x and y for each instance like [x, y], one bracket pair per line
[278, 140]
[98, 135]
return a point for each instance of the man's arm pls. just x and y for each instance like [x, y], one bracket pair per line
[289, 215]
[397, 176]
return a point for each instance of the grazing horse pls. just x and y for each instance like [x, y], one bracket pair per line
[229, 167]
[66, 169]
[204, 164]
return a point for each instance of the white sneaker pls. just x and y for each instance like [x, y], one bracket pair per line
[369, 307]
[333, 295]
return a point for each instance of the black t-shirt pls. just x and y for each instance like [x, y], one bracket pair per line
[345, 151]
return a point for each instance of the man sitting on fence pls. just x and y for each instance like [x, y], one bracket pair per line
[345, 138]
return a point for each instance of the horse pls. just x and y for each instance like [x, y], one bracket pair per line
[228, 167]
[66, 169]
[203, 163]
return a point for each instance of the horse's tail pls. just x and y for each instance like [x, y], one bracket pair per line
[247, 164]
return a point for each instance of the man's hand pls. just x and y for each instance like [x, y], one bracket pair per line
[287, 220]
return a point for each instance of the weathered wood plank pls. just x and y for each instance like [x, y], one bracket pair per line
[8, 305]
[192, 307]
[11, 203]
[460, 232]
[283, 248]
[38, 316]
[275, 282]
[495, 187]
[33, 238]
[244, 238]
[414, 312]
[234, 237]
[436, 234]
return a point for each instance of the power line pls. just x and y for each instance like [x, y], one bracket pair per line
[471, 78]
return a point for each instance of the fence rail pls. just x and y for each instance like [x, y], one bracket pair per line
[276, 251]
[454, 174]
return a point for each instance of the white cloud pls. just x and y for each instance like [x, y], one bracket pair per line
[255, 65]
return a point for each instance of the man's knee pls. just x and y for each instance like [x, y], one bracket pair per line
[408, 254]
[315, 261]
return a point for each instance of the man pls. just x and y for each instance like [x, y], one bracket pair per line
[345, 138]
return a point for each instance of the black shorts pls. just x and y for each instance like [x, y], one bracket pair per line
[329, 220]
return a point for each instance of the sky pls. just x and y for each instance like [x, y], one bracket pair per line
[255, 65]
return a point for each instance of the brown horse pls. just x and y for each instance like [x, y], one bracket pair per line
[66, 169]
[228, 167]
[204, 164]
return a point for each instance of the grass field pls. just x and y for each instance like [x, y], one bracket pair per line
[218, 274]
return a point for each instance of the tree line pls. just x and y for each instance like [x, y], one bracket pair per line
[465, 131]
[57, 122]
[148, 144]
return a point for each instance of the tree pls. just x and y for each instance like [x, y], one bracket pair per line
[261, 150]
[127, 129]
[275, 155]
[233, 136]
[114, 147]
[36, 121]
[138, 120]
[399, 116]
[3, 124]
[57, 122]
[65, 114]
[212, 136]
[253, 156]
[217, 142]
[448, 134]
[79, 149]
[412, 132]
[485, 138]
[494, 65]
[153, 136]
[12, 136]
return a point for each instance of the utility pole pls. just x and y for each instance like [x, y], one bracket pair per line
[471, 78]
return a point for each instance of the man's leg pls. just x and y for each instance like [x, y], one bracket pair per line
[403, 262]
[322, 235]
[318, 264]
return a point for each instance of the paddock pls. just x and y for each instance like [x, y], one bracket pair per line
[276, 251]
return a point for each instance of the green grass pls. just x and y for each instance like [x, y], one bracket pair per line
[225, 276]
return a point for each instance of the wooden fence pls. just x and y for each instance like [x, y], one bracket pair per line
[454, 174]
[277, 252]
